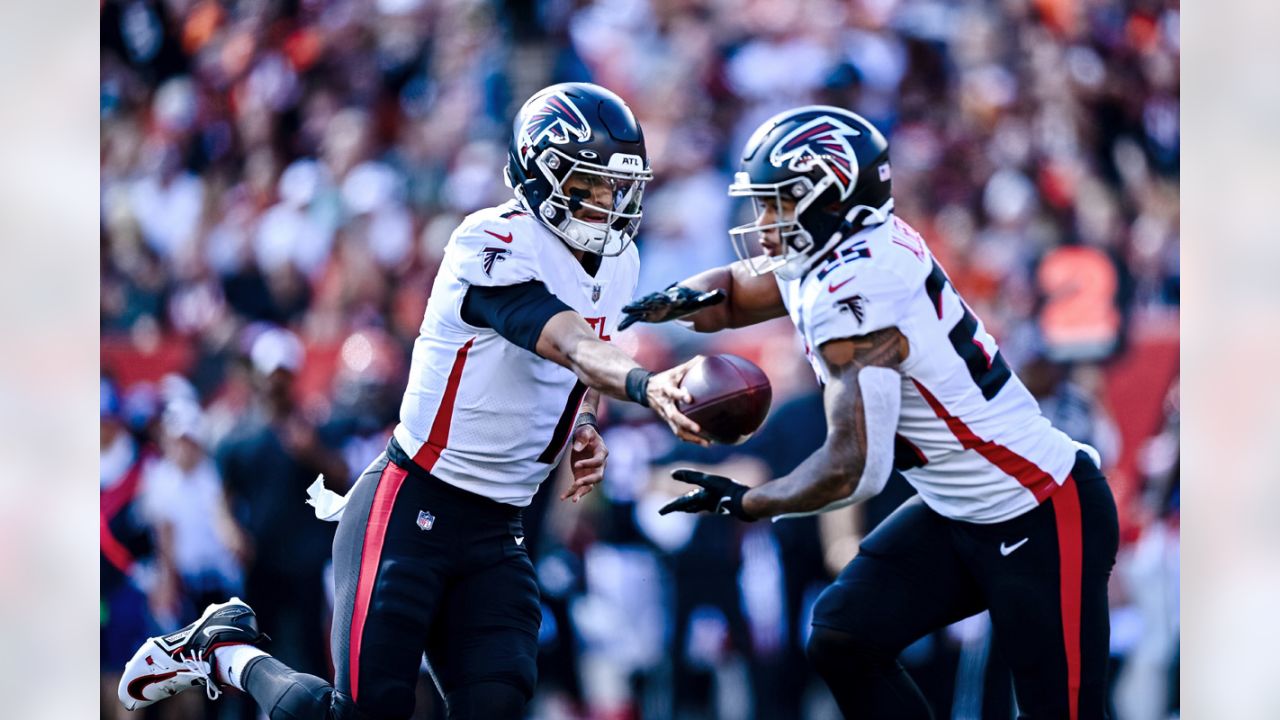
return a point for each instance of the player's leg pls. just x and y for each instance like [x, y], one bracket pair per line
[1045, 575]
[386, 588]
[484, 645]
[905, 582]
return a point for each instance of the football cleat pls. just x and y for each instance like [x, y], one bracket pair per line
[169, 664]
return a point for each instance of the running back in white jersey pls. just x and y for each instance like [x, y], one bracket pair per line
[970, 437]
[479, 412]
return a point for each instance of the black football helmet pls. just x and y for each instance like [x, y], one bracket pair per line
[585, 129]
[832, 163]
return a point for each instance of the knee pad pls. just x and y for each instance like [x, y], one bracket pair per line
[285, 694]
[306, 698]
[492, 700]
[838, 651]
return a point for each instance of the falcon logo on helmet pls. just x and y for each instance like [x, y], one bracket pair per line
[557, 119]
[576, 134]
[823, 140]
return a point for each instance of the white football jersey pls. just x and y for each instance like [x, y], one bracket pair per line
[970, 436]
[479, 412]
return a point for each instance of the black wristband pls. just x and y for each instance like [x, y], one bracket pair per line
[638, 385]
[586, 417]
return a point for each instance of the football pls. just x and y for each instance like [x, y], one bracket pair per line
[731, 398]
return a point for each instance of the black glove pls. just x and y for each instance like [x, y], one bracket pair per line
[718, 495]
[674, 302]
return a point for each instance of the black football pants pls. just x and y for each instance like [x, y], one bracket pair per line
[419, 565]
[1043, 577]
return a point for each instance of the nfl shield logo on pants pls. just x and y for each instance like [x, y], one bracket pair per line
[425, 520]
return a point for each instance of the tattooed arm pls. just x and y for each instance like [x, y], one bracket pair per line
[861, 401]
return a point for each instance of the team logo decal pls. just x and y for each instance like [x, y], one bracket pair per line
[825, 141]
[853, 305]
[557, 119]
[426, 520]
[492, 255]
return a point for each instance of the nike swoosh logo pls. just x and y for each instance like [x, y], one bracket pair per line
[504, 238]
[1006, 550]
[520, 541]
[213, 628]
[138, 684]
[836, 286]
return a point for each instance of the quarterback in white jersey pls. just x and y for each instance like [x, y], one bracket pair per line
[483, 413]
[429, 554]
[911, 381]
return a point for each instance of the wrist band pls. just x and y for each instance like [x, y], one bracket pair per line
[638, 385]
[586, 418]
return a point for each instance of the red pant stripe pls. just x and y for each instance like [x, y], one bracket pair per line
[375, 532]
[1066, 511]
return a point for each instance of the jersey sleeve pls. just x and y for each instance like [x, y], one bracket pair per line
[516, 312]
[855, 300]
[489, 251]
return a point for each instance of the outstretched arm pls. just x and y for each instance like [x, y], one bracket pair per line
[747, 299]
[529, 316]
[862, 400]
[568, 340]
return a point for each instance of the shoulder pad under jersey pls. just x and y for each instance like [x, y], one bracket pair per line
[495, 247]
[853, 299]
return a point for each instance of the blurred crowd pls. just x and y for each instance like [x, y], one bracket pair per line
[279, 179]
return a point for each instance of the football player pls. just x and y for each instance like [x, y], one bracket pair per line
[1010, 516]
[514, 349]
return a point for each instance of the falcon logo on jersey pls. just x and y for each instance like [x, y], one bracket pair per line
[823, 140]
[853, 305]
[557, 119]
[492, 255]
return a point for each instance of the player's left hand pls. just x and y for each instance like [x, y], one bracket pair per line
[586, 460]
[718, 494]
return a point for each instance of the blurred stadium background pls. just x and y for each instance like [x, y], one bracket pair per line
[278, 181]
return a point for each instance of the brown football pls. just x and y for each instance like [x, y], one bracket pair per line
[731, 397]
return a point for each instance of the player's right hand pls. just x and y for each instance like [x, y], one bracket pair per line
[675, 302]
[715, 494]
[664, 392]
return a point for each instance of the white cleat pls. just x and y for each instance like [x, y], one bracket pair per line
[167, 665]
